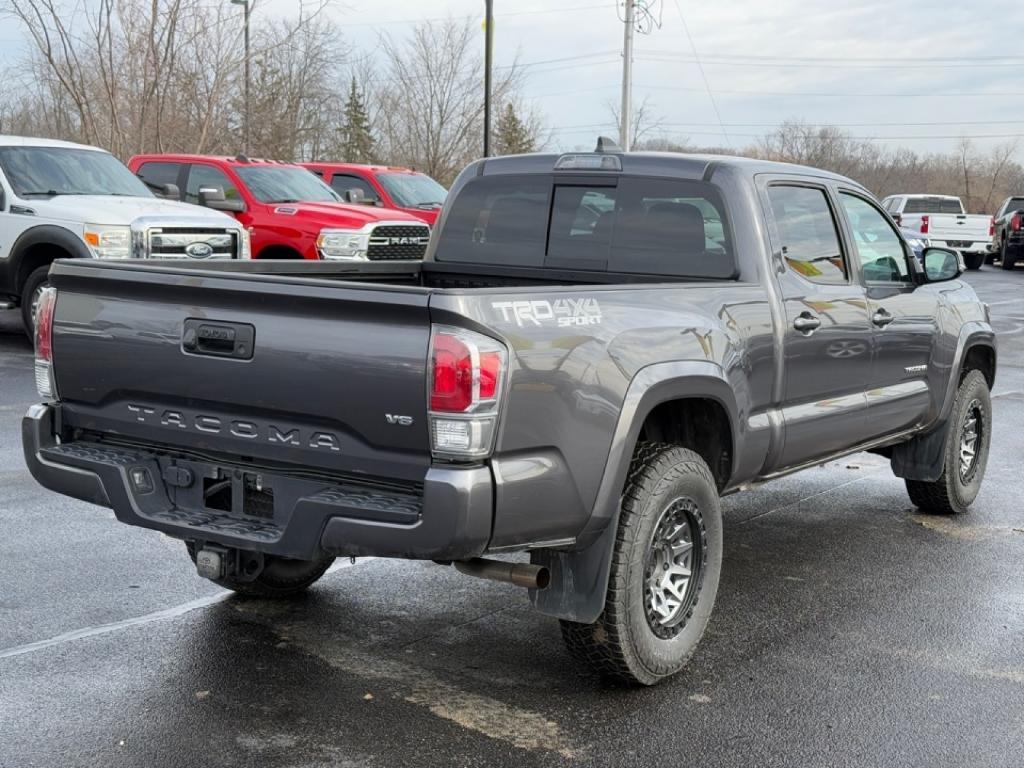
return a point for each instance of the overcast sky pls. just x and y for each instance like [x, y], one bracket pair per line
[910, 69]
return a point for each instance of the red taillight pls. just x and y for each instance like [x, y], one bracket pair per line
[992, 226]
[1015, 222]
[45, 383]
[924, 225]
[465, 370]
[452, 375]
[466, 373]
[44, 325]
[490, 374]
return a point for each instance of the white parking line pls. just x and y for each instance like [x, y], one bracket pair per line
[149, 618]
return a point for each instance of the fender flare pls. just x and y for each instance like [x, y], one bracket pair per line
[579, 578]
[43, 234]
[921, 458]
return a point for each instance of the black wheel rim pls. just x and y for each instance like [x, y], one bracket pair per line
[971, 440]
[674, 567]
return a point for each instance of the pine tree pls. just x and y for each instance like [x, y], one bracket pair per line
[357, 142]
[511, 134]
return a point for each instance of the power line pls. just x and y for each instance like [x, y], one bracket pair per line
[471, 17]
[852, 138]
[841, 94]
[668, 57]
[703, 75]
[883, 59]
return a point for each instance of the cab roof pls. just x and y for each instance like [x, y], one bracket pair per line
[676, 164]
[30, 141]
[370, 167]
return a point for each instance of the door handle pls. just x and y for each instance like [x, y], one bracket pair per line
[806, 323]
[881, 318]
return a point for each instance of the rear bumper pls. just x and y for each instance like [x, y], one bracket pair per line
[449, 518]
[978, 246]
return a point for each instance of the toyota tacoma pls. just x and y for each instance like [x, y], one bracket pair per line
[597, 347]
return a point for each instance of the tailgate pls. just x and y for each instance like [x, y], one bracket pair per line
[958, 227]
[290, 370]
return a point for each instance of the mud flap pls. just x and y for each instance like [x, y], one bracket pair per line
[922, 457]
[579, 579]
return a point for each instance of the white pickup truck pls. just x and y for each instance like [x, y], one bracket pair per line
[60, 200]
[943, 222]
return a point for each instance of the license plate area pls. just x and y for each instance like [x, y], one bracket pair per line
[238, 493]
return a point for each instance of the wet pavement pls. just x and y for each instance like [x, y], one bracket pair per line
[848, 631]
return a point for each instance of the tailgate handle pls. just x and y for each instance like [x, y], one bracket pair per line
[218, 339]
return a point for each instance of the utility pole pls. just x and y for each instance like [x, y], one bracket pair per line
[626, 111]
[488, 56]
[248, 105]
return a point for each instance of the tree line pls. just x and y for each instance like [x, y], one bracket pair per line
[138, 76]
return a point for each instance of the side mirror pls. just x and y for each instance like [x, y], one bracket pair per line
[355, 196]
[170, 191]
[941, 264]
[213, 197]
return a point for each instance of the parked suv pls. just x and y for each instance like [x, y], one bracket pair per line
[290, 213]
[387, 186]
[63, 200]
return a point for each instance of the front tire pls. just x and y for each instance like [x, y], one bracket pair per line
[966, 452]
[666, 566]
[280, 578]
[34, 285]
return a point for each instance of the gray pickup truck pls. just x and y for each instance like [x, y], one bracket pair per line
[597, 347]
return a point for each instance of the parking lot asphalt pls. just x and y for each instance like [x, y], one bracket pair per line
[849, 631]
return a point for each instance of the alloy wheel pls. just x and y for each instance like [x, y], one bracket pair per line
[673, 568]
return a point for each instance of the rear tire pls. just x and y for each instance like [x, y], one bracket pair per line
[670, 523]
[973, 261]
[280, 578]
[37, 280]
[966, 453]
[1007, 261]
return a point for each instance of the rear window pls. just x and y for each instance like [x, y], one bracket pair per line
[615, 224]
[932, 205]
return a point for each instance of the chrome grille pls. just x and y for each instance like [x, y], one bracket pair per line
[390, 242]
[173, 243]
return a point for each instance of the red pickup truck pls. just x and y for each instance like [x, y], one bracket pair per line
[400, 188]
[290, 213]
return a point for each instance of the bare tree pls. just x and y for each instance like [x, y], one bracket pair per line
[431, 99]
[163, 75]
[644, 120]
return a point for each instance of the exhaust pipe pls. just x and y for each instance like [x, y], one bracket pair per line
[520, 574]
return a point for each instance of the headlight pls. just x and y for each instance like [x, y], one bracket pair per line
[109, 242]
[338, 244]
[245, 252]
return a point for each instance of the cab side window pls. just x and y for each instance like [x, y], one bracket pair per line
[807, 229]
[879, 249]
[157, 175]
[207, 176]
[342, 181]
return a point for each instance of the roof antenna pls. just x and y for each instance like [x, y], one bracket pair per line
[604, 144]
[240, 158]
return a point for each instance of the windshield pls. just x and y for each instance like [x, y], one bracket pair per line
[283, 184]
[413, 190]
[49, 171]
[933, 205]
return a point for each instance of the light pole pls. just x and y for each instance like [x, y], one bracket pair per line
[626, 112]
[246, 112]
[488, 49]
